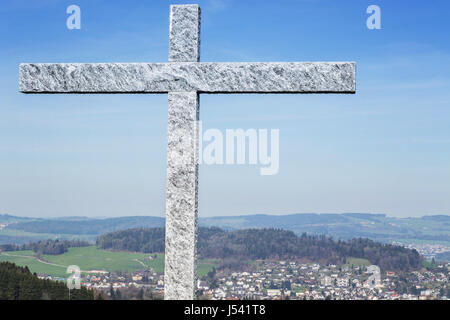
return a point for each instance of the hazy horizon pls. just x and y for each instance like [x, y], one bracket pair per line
[216, 216]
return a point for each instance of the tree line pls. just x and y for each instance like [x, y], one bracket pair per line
[236, 247]
[18, 283]
[52, 247]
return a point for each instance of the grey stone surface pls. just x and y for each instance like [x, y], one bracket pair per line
[204, 77]
[181, 202]
[184, 33]
[180, 272]
[183, 78]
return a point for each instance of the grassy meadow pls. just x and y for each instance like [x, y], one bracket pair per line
[90, 259]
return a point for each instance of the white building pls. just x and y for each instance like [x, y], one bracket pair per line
[326, 281]
[342, 282]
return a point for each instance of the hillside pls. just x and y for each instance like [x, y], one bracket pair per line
[18, 283]
[346, 226]
[6, 218]
[85, 226]
[51, 247]
[235, 247]
[377, 227]
[444, 256]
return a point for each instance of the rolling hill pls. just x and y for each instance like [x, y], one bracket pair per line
[378, 227]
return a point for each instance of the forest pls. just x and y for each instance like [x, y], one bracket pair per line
[18, 283]
[234, 248]
[53, 247]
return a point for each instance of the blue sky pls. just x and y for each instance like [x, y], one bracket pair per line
[384, 150]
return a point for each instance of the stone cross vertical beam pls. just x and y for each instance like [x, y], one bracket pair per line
[180, 268]
[184, 78]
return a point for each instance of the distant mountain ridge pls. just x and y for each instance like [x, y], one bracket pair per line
[85, 226]
[344, 226]
[347, 225]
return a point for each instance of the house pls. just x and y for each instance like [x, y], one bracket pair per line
[137, 278]
[342, 282]
[273, 292]
[326, 281]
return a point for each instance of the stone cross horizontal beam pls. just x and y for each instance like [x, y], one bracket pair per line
[201, 77]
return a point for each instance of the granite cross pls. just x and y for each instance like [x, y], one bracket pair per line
[184, 78]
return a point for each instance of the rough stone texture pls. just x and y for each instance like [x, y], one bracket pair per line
[181, 199]
[184, 33]
[180, 271]
[203, 77]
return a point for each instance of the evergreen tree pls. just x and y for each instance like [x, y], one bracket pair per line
[18, 283]
[140, 295]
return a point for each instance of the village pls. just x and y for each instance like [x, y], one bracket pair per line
[290, 280]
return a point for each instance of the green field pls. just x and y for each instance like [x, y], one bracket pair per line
[357, 262]
[21, 258]
[91, 258]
